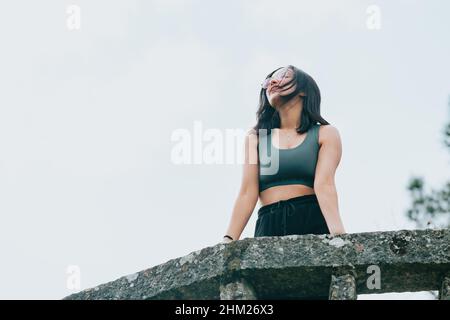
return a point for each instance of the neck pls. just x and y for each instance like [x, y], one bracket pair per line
[290, 113]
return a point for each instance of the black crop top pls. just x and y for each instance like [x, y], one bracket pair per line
[288, 166]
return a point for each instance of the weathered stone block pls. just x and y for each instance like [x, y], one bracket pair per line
[293, 267]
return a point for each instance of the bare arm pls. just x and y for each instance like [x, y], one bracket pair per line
[248, 194]
[324, 186]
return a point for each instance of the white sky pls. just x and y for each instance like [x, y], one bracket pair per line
[86, 118]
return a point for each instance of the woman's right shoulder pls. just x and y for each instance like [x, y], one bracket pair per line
[251, 136]
[251, 131]
[251, 146]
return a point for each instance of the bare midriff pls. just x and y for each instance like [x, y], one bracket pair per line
[283, 192]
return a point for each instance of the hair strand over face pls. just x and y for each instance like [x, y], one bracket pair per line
[268, 117]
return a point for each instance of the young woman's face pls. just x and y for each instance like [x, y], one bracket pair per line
[280, 85]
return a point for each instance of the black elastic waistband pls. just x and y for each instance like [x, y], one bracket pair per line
[300, 199]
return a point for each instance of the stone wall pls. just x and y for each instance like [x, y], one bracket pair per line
[295, 267]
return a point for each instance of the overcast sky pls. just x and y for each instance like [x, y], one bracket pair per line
[88, 108]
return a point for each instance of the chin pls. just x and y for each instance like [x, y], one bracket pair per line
[274, 99]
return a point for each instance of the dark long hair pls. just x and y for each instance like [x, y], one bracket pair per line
[269, 118]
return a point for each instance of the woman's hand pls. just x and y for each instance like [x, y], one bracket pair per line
[226, 240]
[337, 232]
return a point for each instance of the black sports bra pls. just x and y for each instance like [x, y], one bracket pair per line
[288, 166]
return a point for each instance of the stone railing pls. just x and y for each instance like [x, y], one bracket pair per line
[295, 267]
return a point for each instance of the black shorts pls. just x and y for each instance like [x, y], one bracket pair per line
[299, 215]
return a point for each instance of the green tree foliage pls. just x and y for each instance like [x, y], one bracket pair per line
[430, 209]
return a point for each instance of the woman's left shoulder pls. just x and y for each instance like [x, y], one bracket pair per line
[328, 132]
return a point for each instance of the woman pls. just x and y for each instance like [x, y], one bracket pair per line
[290, 162]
